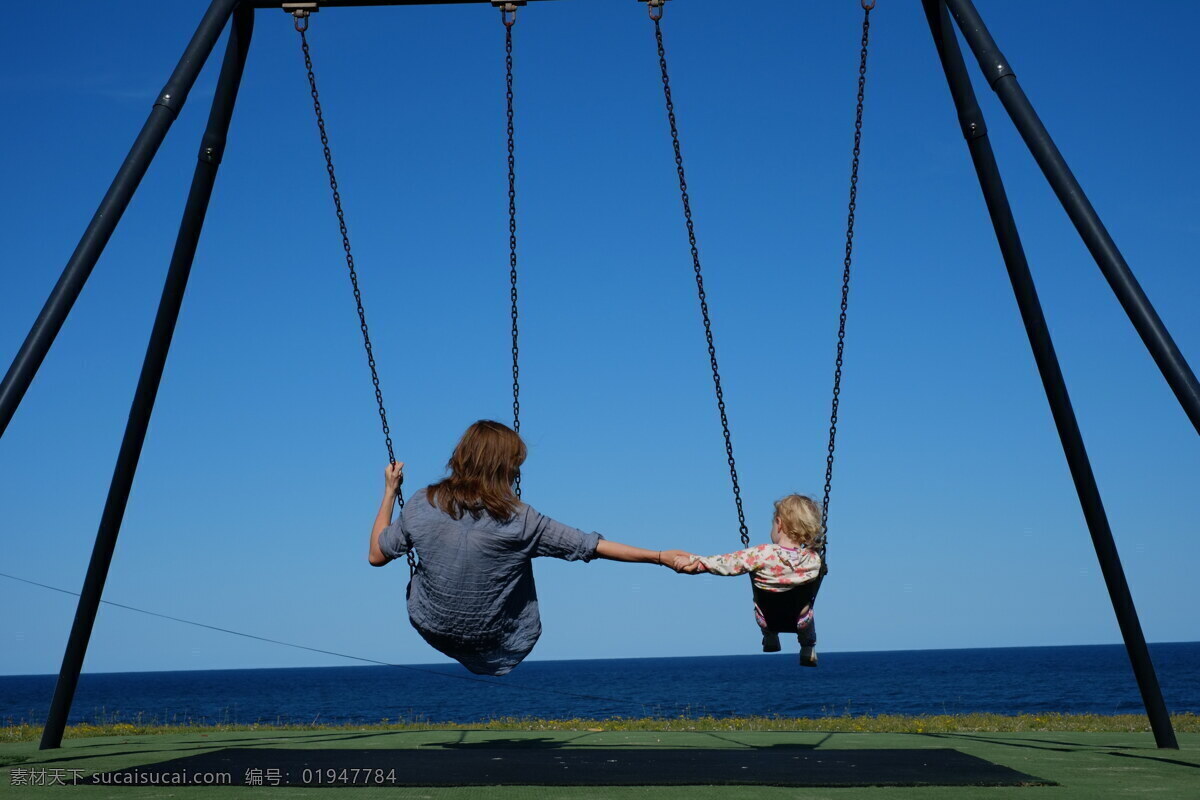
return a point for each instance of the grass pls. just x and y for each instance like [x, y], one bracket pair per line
[881, 723]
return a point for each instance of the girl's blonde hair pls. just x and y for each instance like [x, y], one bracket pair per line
[800, 518]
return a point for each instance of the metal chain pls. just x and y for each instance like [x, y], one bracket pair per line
[341, 217]
[691, 231]
[841, 340]
[512, 227]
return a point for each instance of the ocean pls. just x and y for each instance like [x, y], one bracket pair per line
[1093, 679]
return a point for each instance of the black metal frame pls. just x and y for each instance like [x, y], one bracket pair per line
[939, 13]
[971, 119]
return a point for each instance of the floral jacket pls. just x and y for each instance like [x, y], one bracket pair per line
[773, 567]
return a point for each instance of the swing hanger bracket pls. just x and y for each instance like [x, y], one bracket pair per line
[508, 10]
[655, 7]
[301, 11]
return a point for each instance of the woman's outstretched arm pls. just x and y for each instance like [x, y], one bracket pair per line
[393, 474]
[615, 551]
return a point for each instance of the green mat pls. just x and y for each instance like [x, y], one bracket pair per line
[1083, 765]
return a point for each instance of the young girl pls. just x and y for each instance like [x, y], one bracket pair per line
[473, 596]
[788, 565]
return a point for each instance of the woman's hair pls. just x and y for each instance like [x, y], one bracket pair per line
[800, 518]
[483, 468]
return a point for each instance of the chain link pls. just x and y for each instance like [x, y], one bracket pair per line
[341, 218]
[691, 232]
[512, 232]
[841, 339]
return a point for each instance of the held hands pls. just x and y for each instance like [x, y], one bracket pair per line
[393, 476]
[681, 561]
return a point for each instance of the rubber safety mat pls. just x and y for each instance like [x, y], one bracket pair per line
[777, 766]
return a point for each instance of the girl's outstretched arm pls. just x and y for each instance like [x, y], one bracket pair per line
[740, 562]
[393, 475]
[615, 551]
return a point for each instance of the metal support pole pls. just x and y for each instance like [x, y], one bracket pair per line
[1104, 250]
[973, 127]
[212, 147]
[166, 108]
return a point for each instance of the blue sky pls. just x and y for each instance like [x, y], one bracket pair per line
[954, 523]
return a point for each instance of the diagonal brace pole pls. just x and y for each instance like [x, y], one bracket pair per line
[975, 130]
[1125, 286]
[166, 108]
[212, 147]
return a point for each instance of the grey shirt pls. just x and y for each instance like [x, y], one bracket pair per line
[473, 596]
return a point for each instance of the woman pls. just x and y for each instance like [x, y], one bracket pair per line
[473, 596]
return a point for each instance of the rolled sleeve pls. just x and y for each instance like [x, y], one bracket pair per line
[393, 540]
[555, 540]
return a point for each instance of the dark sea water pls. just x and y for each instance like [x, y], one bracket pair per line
[1085, 679]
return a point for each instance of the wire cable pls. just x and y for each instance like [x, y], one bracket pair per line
[505, 685]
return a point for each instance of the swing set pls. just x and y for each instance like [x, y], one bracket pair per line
[239, 16]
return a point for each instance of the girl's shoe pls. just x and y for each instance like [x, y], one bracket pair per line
[808, 656]
[771, 642]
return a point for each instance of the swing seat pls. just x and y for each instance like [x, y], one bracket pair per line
[781, 610]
